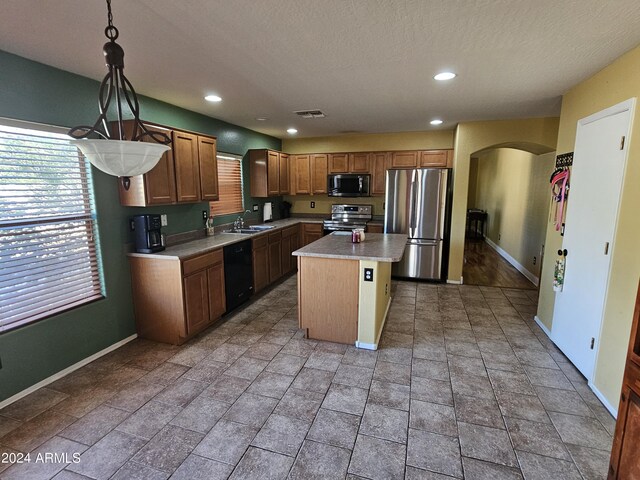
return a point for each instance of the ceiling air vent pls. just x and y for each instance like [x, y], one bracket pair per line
[310, 113]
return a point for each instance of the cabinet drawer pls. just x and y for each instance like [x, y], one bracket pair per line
[260, 242]
[290, 231]
[313, 227]
[203, 261]
[275, 237]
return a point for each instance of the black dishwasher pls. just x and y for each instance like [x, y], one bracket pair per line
[238, 273]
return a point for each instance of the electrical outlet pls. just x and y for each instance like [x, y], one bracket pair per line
[205, 215]
[255, 207]
[163, 220]
[499, 236]
[368, 274]
[313, 204]
[534, 260]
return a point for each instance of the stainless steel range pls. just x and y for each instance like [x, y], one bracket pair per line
[347, 217]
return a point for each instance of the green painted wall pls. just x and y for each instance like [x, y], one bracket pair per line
[38, 93]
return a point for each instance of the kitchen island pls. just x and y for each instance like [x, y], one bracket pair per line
[344, 288]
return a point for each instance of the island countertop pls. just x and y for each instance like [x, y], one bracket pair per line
[377, 247]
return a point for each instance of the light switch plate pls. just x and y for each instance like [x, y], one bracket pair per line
[255, 207]
[163, 220]
[313, 204]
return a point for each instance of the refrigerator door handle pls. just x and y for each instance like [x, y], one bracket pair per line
[412, 212]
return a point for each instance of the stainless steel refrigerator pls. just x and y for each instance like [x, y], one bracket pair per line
[418, 205]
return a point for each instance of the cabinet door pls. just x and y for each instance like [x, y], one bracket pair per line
[408, 159]
[284, 174]
[217, 300]
[375, 228]
[338, 163]
[196, 301]
[433, 158]
[311, 232]
[285, 248]
[295, 245]
[629, 414]
[160, 181]
[185, 155]
[359, 163]
[260, 268]
[275, 260]
[319, 173]
[273, 177]
[302, 178]
[208, 168]
[379, 166]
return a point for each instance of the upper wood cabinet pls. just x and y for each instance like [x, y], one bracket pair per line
[268, 173]
[300, 174]
[338, 163]
[360, 162]
[208, 168]
[435, 158]
[186, 173]
[379, 167]
[404, 159]
[319, 168]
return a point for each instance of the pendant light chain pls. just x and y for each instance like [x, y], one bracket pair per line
[111, 32]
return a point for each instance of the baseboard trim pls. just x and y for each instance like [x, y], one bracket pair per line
[66, 371]
[543, 327]
[603, 399]
[517, 265]
[455, 282]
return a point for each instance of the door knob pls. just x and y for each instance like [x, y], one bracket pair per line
[562, 253]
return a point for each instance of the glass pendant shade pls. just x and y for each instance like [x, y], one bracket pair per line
[121, 158]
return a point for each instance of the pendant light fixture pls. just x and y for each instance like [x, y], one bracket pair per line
[115, 151]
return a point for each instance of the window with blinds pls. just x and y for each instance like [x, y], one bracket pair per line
[49, 257]
[229, 186]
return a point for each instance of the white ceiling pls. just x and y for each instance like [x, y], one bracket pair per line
[368, 64]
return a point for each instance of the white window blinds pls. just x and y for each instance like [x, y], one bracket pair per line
[229, 186]
[49, 258]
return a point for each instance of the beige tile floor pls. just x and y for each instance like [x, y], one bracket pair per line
[465, 385]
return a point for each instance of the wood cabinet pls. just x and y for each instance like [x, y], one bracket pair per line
[375, 228]
[260, 262]
[268, 173]
[188, 173]
[311, 232]
[435, 158]
[625, 462]
[338, 163]
[359, 162]
[405, 159]
[176, 299]
[275, 256]
[301, 174]
[319, 168]
[290, 236]
[208, 168]
[379, 167]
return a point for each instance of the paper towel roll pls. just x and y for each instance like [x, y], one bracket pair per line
[267, 215]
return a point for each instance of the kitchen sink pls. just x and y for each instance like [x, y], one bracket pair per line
[249, 230]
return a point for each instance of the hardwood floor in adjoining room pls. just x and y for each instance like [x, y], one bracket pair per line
[484, 266]
[464, 385]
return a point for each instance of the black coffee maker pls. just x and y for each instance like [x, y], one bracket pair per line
[147, 233]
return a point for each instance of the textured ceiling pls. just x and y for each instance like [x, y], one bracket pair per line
[368, 64]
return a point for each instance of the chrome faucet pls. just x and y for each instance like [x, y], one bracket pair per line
[239, 223]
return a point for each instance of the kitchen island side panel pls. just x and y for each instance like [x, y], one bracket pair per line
[328, 298]
[375, 297]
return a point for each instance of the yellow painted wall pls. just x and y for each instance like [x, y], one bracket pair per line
[512, 186]
[473, 183]
[614, 84]
[374, 142]
[373, 301]
[536, 135]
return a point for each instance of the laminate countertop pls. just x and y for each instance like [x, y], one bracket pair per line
[203, 245]
[377, 247]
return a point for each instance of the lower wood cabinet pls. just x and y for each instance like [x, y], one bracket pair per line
[375, 228]
[311, 232]
[275, 256]
[290, 242]
[175, 299]
[260, 253]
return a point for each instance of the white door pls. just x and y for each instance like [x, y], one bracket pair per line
[594, 196]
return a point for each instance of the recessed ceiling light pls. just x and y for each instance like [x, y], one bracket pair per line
[261, 119]
[437, 121]
[445, 76]
[213, 98]
[292, 131]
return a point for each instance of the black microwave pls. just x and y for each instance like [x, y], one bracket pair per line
[348, 185]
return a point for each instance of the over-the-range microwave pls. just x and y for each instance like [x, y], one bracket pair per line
[348, 185]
